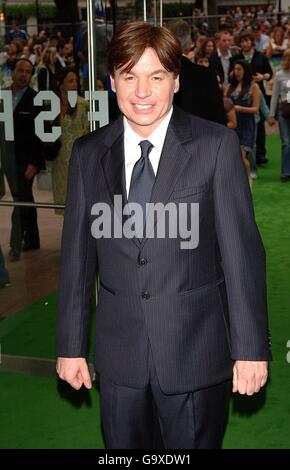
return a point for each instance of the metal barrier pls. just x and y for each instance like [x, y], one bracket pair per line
[41, 205]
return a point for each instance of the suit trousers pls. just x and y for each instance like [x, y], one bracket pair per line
[147, 418]
[24, 219]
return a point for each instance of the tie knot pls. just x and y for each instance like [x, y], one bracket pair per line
[146, 147]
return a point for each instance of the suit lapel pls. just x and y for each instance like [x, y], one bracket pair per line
[113, 164]
[114, 169]
[173, 157]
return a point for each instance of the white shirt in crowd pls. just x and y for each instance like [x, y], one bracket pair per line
[281, 88]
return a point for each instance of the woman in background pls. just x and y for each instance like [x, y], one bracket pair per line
[208, 46]
[46, 69]
[74, 123]
[278, 42]
[245, 95]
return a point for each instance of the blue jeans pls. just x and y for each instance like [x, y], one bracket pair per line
[284, 127]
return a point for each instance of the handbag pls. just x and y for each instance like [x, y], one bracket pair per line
[50, 150]
[286, 109]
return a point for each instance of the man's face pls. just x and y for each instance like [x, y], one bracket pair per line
[22, 74]
[224, 43]
[246, 45]
[68, 49]
[145, 94]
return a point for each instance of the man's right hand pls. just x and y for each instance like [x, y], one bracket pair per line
[74, 370]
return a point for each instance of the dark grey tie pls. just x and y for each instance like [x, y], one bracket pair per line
[142, 179]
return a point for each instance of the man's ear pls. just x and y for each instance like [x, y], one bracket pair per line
[113, 83]
[176, 87]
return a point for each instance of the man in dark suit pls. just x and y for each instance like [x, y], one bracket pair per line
[175, 324]
[221, 59]
[22, 160]
[198, 93]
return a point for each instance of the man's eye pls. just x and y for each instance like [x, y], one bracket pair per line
[156, 78]
[129, 78]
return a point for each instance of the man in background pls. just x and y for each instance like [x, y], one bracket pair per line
[221, 59]
[22, 160]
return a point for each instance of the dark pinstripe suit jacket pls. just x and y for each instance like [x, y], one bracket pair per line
[205, 307]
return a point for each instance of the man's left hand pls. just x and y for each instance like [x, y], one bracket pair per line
[249, 376]
[30, 171]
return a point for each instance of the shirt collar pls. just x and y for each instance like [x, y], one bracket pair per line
[228, 56]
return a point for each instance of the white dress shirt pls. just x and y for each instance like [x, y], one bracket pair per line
[132, 148]
[225, 60]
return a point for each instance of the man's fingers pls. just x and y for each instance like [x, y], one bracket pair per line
[88, 383]
[76, 383]
[249, 376]
[74, 371]
[235, 380]
[239, 383]
[256, 383]
[242, 386]
[261, 382]
[86, 377]
[251, 386]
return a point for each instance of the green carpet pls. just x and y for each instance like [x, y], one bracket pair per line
[264, 421]
[39, 413]
[31, 332]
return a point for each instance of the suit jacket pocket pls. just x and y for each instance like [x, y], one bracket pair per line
[192, 191]
[107, 289]
[211, 285]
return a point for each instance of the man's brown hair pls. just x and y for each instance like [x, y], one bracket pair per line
[130, 41]
[247, 35]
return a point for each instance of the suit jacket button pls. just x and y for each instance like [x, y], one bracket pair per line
[145, 295]
[143, 261]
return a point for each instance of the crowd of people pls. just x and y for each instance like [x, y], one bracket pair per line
[238, 76]
[249, 57]
[29, 65]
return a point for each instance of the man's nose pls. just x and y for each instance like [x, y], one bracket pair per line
[143, 88]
